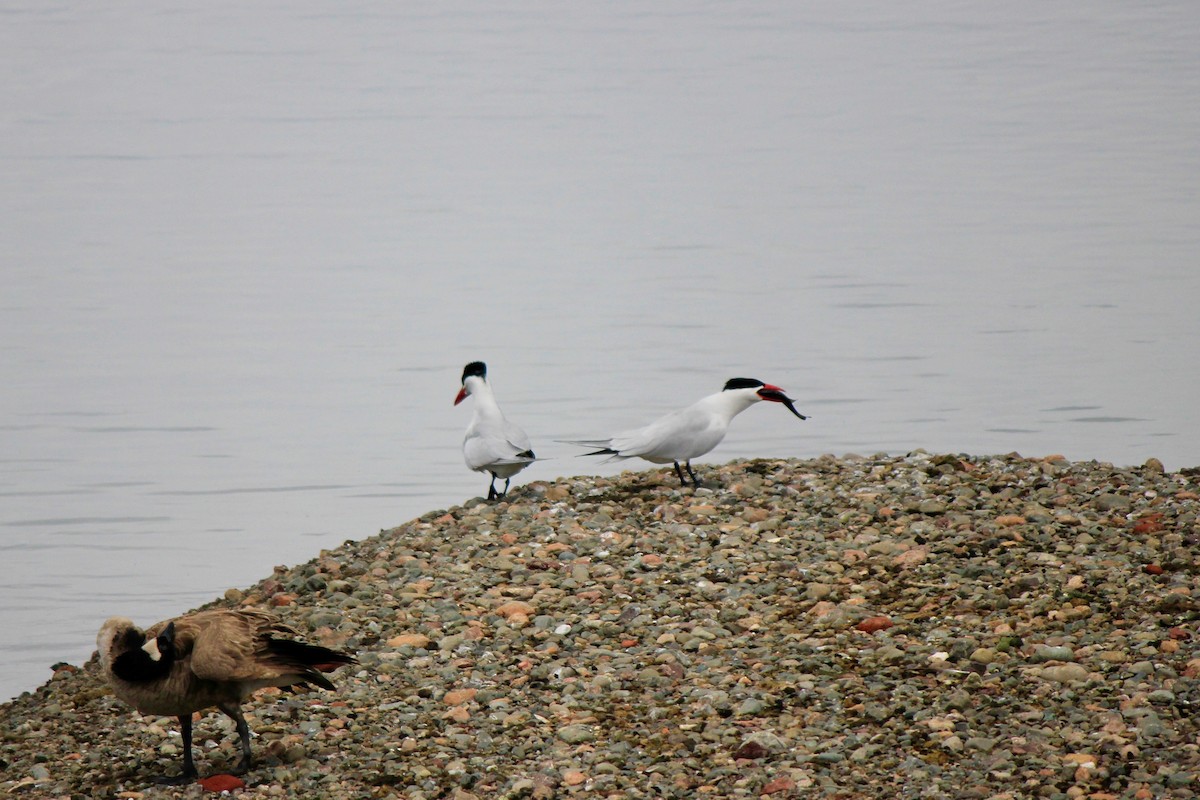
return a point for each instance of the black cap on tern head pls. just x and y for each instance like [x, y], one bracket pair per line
[477, 369]
[742, 383]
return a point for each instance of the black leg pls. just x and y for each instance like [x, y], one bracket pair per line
[243, 730]
[679, 472]
[695, 480]
[504, 494]
[185, 728]
[492, 488]
[189, 766]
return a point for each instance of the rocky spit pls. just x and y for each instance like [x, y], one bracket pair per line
[920, 626]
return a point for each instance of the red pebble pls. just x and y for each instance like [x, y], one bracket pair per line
[778, 785]
[1150, 523]
[872, 624]
[1153, 569]
[221, 783]
[1179, 633]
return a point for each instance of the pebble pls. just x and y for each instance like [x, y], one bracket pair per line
[1066, 673]
[576, 734]
[624, 637]
[1053, 653]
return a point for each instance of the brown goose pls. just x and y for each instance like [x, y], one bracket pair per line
[209, 658]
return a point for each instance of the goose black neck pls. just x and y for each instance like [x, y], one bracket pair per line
[136, 666]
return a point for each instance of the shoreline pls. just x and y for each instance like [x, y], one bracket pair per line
[878, 626]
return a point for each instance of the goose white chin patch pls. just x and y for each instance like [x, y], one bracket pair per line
[151, 647]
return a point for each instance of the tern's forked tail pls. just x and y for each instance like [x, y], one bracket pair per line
[603, 444]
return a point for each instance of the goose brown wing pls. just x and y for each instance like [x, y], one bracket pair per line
[227, 644]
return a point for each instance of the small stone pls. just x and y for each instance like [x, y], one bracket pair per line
[323, 619]
[520, 788]
[1057, 653]
[959, 700]
[1066, 673]
[818, 591]
[873, 624]
[911, 558]
[770, 742]
[751, 707]
[418, 640]
[889, 653]
[1112, 502]
[775, 785]
[458, 714]
[751, 751]
[575, 734]
[1148, 523]
[953, 743]
[514, 607]
[983, 655]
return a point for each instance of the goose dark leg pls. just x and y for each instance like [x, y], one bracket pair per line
[189, 766]
[695, 480]
[679, 472]
[492, 488]
[243, 730]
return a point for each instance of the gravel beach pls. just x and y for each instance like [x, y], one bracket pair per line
[920, 626]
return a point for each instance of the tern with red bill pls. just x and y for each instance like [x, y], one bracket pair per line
[492, 443]
[690, 432]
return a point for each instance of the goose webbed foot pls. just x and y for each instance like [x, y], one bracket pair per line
[176, 780]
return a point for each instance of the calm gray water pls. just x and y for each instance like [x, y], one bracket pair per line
[247, 249]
